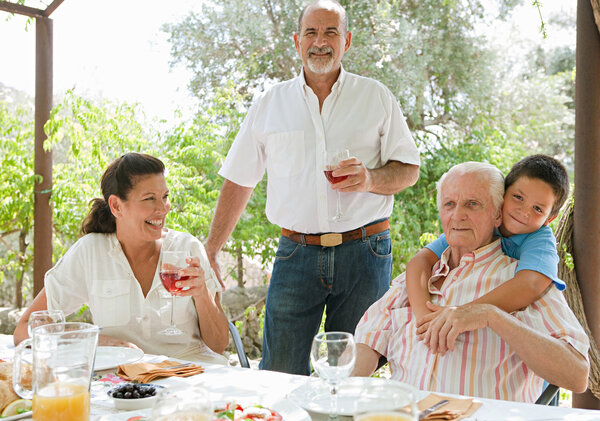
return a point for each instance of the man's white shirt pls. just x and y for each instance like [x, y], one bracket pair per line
[286, 134]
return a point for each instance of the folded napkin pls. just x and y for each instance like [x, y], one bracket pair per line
[146, 372]
[455, 409]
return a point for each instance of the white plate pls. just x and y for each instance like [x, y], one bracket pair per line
[113, 356]
[18, 416]
[288, 410]
[314, 395]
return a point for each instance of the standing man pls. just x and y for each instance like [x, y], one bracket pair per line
[345, 264]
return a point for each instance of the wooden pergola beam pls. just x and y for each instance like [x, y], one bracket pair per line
[32, 12]
[42, 211]
[586, 214]
[52, 7]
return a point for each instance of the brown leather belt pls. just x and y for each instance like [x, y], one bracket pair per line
[333, 239]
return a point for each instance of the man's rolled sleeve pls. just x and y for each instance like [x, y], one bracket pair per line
[375, 327]
[396, 141]
[552, 314]
[245, 162]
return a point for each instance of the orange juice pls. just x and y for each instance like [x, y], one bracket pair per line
[384, 416]
[60, 401]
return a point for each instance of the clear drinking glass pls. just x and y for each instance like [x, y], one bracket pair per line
[189, 403]
[44, 317]
[332, 161]
[333, 355]
[171, 263]
[386, 400]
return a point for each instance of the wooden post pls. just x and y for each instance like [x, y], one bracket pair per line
[586, 222]
[42, 231]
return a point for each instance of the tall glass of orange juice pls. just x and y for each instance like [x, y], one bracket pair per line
[63, 359]
[386, 400]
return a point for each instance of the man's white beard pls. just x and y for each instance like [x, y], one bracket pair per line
[319, 66]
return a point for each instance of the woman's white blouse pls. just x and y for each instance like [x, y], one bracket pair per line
[95, 271]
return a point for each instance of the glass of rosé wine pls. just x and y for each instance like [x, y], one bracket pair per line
[332, 161]
[171, 263]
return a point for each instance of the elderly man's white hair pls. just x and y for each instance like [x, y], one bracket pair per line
[480, 170]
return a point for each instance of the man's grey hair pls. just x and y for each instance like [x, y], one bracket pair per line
[479, 170]
[335, 4]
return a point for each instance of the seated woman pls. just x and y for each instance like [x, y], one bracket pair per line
[114, 269]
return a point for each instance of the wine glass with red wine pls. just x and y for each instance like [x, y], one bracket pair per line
[171, 263]
[332, 161]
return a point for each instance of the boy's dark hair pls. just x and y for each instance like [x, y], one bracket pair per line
[547, 169]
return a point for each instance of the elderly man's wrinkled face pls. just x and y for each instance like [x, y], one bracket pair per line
[322, 41]
[467, 212]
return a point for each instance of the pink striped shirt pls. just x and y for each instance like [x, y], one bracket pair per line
[481, 364]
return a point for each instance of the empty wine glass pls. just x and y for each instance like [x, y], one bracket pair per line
[171, 263]
[44, 317]
[333, 355]
[332, 161]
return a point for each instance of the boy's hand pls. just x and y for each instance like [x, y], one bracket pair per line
[424, 323]
[423, 317]
[449, 322]
[420, 314]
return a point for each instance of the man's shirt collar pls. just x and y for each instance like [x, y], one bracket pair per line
[335, 89]
[478, 257]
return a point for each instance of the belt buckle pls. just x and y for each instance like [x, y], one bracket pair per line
[331, 240]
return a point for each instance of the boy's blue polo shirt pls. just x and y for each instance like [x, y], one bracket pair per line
[535, 251]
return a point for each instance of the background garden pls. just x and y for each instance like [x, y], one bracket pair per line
[465, 97]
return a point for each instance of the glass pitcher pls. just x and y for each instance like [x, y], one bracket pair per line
[63, 359]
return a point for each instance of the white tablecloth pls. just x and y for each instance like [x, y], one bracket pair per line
[267, 386]
[263, 386]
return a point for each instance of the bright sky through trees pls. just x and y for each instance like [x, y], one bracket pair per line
[116, 50]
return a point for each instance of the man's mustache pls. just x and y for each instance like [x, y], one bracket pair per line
[322, 50]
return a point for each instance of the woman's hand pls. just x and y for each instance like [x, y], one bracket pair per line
[104, 340]
[195, 284]
[212, 321]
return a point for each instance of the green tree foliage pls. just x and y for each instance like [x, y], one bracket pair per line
[458, 105]
[17, 182]
[424, 51]
[85, 137]
[195, 152]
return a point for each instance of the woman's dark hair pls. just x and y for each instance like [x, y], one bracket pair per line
[118, 179]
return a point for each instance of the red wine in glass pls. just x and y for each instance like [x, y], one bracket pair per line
[333, 179]
[332, 160]
[170, 278]
[172, 261]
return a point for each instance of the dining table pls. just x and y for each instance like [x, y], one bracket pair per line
[280, 391]
[293, 396]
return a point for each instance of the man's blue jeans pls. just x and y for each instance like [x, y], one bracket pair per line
[346, 278]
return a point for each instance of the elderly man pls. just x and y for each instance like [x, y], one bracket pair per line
[344, 264]
[489, 353]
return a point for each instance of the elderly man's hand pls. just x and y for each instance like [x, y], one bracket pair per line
[196, 284]
[448, 322]
[359, 178]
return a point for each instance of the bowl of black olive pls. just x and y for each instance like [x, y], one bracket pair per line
[132, 396]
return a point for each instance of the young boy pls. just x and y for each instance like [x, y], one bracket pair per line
[535, 189]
